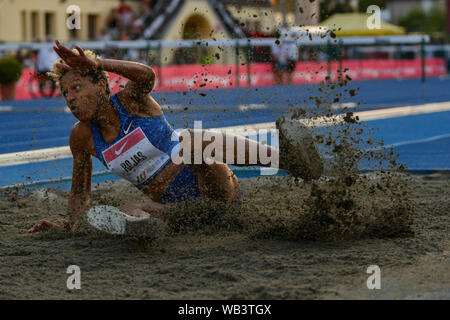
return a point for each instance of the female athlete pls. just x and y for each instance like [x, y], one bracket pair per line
[130, 135]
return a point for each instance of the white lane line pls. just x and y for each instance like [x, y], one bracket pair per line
[37, 109]
[48, 154]
[15, 158]
[173, 107]
[348, 105]
[252, 106]
[410, 142]
[379, 114]
[404, 111]
[6, 108]
[242, 129]
[241, 107]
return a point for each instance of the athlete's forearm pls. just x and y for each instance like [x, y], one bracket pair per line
[236, 150]
[134, 71]
[78, 205]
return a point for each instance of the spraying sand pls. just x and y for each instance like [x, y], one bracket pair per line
[255, 250]
[287, 239]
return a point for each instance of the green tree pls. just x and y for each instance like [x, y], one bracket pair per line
[329, 7]
[418, 20]
[10, 70]
[438, 20]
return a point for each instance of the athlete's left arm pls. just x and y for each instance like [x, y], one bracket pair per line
[141, 76]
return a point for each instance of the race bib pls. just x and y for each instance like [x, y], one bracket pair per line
[135, 158]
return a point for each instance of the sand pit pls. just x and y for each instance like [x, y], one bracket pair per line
[268, 247]
[285, 240]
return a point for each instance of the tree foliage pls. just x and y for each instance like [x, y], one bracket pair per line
[10, 70]
[330, 7]
[420, 21]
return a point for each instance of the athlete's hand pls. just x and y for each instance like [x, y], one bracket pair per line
[44, 225]
[74, 61]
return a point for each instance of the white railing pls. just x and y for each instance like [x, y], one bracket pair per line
[144, 44]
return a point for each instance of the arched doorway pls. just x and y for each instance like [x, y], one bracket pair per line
[195, 27]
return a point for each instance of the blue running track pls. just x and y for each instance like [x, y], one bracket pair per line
[423, 141]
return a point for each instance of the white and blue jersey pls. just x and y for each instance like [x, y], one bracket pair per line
[141, 151]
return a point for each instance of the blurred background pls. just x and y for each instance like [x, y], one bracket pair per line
[230, 63]
[162, 33]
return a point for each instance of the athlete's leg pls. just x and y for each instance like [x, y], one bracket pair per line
[299, 156]
[144, 209]
[298, 153]
[216, 181]
[236, 150]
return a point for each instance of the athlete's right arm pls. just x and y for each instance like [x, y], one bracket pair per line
[80, 193]
[81, 181]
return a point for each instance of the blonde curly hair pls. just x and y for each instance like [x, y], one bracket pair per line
[96, 74]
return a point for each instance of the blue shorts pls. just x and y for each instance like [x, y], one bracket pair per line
[182, 188]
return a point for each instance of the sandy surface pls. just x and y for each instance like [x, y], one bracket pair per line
[257, 250]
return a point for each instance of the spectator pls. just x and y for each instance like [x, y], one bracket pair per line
[279, 58]
[104, 35]
[112, 24]
[253, 29]
[2, 53]
[146, 5]
[137, 26]
[45, 59]
[125, 15]
[322, 56]
[26, 58]
[123, 36]
[292, 58]
[136, 55]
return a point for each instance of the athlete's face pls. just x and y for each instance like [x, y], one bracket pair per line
[83, 97]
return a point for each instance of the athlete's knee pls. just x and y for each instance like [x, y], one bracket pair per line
[219, 182]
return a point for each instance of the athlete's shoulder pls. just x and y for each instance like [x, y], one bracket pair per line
[81, 129]
[138, 104]
[80, 135]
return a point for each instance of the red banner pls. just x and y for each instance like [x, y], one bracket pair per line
[189, 77]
